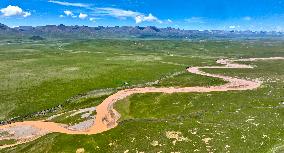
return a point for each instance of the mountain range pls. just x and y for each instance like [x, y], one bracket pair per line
[63, 31]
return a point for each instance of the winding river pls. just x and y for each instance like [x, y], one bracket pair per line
[107, 116]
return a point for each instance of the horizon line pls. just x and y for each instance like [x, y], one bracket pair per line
[112, 26]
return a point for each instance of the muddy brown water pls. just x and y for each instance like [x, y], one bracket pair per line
[107, 116]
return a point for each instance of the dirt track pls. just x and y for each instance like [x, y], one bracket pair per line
[107, 117]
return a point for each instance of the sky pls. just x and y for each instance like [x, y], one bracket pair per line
[256, 15]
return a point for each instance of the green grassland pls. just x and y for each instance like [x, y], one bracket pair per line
[40, 75]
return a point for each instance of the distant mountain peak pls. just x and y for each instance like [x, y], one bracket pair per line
[3, 26]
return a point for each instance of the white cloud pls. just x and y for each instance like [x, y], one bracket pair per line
[93, 19]
[123, 14]
[279, 29]
[82, 16]
[14, 11]
[68, 13]
[170, 21]
[26, 14]
[69, 4]
[234, 26]
[116, 12]
[247, 18]
[108, 11]
[71, 14]
[138, 19]
[150, 18]
[195, 20]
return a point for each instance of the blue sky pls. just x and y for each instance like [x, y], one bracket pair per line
[185, 14]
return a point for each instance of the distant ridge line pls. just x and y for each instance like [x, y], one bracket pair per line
[129, 32]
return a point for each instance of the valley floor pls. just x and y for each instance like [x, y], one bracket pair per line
[151, 119]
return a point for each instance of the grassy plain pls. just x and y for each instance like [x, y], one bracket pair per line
[40, 75]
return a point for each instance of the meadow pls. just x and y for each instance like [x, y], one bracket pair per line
[39, 75]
